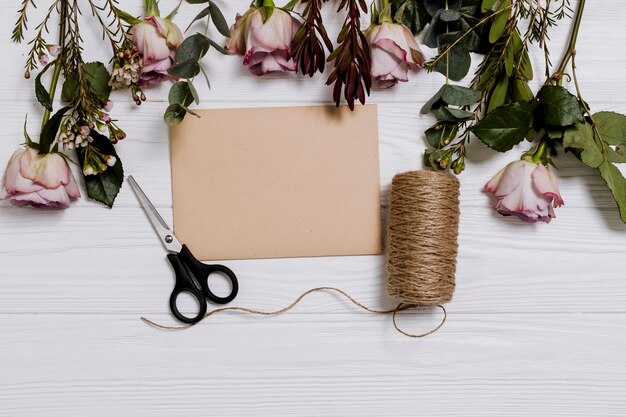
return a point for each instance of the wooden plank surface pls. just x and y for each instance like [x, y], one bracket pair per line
[537, 325]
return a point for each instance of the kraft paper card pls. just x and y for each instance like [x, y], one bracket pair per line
[277, 182]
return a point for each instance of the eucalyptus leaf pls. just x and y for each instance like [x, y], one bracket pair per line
[203, 13]
[456, 62]
[450, 114]
[174, 114]
[186, 69]
[506, 126]
[218, 20]
[449, 15]
[440, 132]
[193, 48]
[433, 6]
[454, 95]
[180, 93]
[104, 186]
[559, 107]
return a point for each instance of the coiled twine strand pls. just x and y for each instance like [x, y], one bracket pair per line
[422, 237]
[422, 249]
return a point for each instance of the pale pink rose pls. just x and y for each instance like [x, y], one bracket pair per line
[157, 40]
[37, 180]
[266, 46]
[526, 190]
[394, 51]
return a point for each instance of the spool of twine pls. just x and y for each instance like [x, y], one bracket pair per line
[422, 237]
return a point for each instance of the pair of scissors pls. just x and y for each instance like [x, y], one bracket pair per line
[192, 276]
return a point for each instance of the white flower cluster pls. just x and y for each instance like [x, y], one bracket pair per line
[72, 138]
[123, 76]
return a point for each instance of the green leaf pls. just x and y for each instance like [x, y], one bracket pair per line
[217, 46]
[559, 107]
[194, 92]
[506, 126]
[450, 114]
[29, 141]
[174, 114]
[186, 69]
[49, 131]
[440, 132]
[487, 5]
[199, 16]
[617, 155]
[414, 14]
[43, 97]
[581, 137]
[520, 91]
[457, 61]
[266, 12]
[218, 20]
[454, 95]
[611, 126]
[95, 81]
[499, 23]
[152, 8]
[617, 184]
[499, 94]
[193, 48]
[128, 18]
[180, 93]
[105, 186]
[449, 15]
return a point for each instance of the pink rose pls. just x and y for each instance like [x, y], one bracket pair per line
[394, 51]
[157, 40]
[38, 180]
[266, 46]
[527, 190]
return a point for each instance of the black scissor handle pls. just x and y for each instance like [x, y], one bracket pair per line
[201, 272]
[185, 284]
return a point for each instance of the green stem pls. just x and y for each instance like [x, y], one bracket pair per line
[385, 3]
[539, 154]
[152, 8]
[57, 68]
[53, 88]
[571, 46]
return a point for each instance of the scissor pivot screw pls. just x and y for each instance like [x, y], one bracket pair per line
[169, 239]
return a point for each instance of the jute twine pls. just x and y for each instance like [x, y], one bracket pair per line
[422, 237]
[422, 248]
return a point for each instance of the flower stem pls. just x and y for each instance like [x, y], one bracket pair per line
[570, 52]
[385, 3]
[53, 87]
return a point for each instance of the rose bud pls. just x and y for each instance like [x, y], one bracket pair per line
[527, 190]
[156, 40]
[38, 180]
[394, 51]
[266, 46]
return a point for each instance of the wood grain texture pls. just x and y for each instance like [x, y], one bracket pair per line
[537, 325]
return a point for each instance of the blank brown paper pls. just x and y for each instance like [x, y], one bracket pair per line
[277, 182]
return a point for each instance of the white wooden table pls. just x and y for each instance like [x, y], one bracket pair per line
[537, 325]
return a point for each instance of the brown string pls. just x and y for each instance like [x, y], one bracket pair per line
[393, 311]
[422, 248]
[422, 237]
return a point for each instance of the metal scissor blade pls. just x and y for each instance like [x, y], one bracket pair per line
[163, 230]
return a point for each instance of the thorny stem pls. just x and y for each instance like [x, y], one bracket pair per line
[571, 46]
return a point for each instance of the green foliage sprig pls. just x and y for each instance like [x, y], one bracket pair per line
[188, 57]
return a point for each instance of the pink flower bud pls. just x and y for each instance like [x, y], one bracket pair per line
[106, 118]
[111, 160]
[108, 106]
[43, 59]
[54, 50]
[85, 131]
